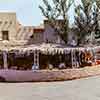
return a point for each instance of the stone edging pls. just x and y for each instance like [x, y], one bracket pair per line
[49, 75]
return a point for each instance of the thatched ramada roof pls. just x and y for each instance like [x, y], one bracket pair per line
[45, 48]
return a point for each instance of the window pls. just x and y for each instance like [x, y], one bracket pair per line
[0, 22]
[6, 22]
[10, 22]
[5, 35]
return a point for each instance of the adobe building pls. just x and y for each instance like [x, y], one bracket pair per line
[11, 32]
[8, 26]
[16, 39]
[31, 44]
[12, 35]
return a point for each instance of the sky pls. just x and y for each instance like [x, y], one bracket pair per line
[28, 12]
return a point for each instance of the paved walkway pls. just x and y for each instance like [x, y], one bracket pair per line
[83, 89]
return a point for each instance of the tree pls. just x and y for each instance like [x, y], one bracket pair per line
[97, 18]
[84, 19]
[97, 3]
[52, 11]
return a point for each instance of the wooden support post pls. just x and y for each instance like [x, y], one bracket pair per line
[73, 58]
[79, 62]
[36, 60]
[5, 62]
[94, 56]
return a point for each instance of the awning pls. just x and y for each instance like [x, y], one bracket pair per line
[47, 48]
[50, 49]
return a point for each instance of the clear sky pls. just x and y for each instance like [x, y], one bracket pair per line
[27, 11]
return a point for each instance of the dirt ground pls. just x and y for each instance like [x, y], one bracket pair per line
[82, 89]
